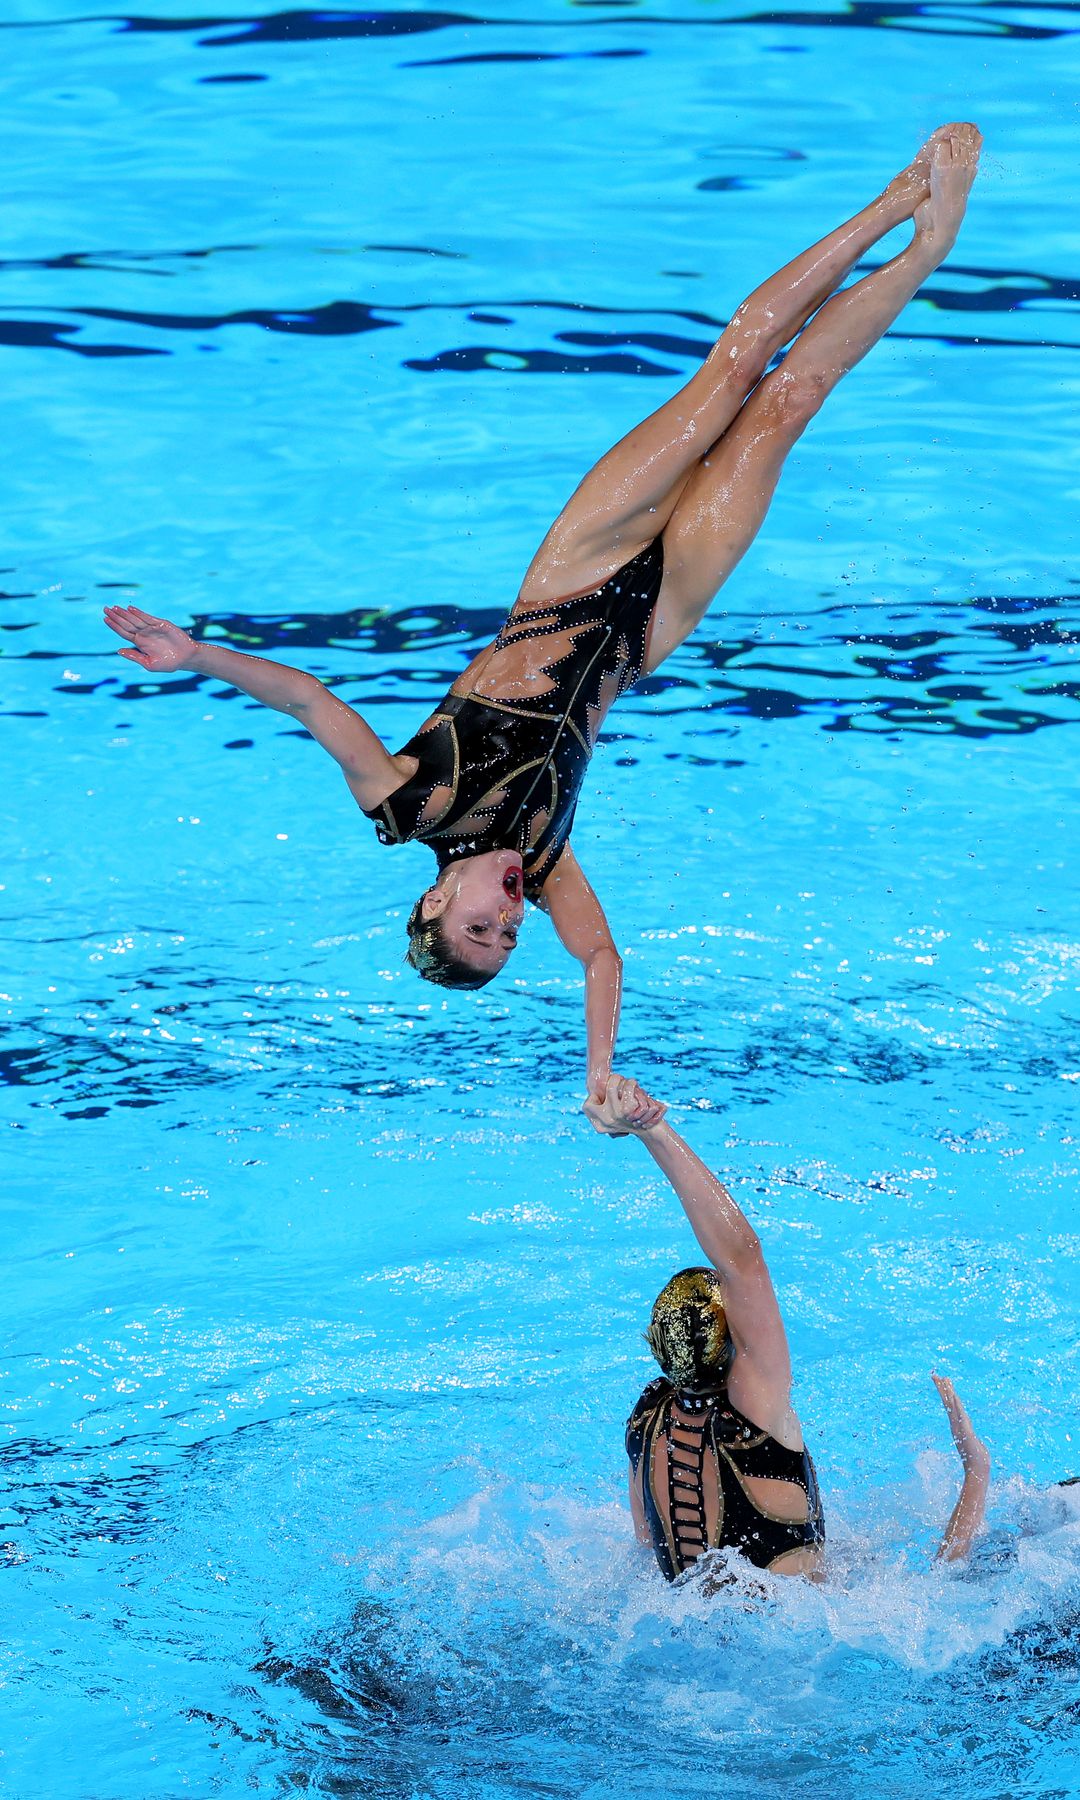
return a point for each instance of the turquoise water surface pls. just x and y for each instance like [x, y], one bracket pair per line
[324, 1307]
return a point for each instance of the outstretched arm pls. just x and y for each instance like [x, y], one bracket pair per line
[579, 921]
[760, 1381]
[970, 1509]
[158, 645]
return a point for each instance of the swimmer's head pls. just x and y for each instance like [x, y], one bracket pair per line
[688, 1332]
[463, 930]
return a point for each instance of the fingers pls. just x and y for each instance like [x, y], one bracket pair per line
[637, 1108]
[647, 1112]
[638, 1099]
[599, 1122]
[625, 1107]
[136, 656]
[116, 621]
[608, 1130]
[131, 619]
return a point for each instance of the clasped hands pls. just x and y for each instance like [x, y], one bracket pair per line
[623, 1108]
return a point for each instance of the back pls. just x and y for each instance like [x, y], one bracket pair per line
[705, 1477]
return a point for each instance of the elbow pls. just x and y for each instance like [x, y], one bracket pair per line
[299, 702]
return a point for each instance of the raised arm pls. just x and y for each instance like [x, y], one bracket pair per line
[760, 1381]
[582, 929]
[970, 1509]
[156, 644]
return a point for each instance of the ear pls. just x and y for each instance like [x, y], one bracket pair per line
[433, 903]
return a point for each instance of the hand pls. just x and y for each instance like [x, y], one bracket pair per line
[624, 1109]
[972, 1451]
[156, 645]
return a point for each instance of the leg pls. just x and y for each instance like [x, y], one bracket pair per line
[629, 496]
[721, 507]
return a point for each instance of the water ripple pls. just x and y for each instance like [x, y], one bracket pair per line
[994, 665]
[1023, 20]
[1025, 299]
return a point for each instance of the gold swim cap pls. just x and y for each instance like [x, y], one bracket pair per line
[688, 1333]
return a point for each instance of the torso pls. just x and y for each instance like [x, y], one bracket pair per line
[499, 764]
[708, 1478]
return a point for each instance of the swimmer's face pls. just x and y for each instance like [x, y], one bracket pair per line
[480, 904]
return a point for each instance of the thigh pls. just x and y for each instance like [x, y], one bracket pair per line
[719, 513]
[628, 497]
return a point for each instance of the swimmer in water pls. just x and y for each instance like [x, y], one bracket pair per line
[491, 780]
[717, 1458]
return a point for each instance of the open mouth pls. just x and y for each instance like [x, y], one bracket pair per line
[512, 884]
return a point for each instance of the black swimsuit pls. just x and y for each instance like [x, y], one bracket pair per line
[738, 1448]
[514, 768]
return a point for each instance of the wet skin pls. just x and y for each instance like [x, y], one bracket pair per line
[480, 905]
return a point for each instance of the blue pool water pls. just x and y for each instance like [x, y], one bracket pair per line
[323, 1310]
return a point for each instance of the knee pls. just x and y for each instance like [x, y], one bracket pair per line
[793, 396]
[742, 356]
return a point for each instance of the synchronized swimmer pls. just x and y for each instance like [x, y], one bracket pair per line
[491, 780]
[490, 783]
[717, 1458]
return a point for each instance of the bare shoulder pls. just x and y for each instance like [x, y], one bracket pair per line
[769, 1410]
[370, 788]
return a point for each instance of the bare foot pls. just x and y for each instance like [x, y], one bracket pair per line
[911, 187]
[953, 168]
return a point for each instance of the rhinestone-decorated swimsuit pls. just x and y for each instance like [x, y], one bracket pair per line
[512, 767]
[737, 1448]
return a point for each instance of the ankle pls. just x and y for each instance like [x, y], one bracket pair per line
[932, 244]
[890, 208]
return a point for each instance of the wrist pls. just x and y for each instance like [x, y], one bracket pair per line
[194, 659]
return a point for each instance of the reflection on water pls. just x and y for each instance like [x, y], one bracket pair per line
[1032, 20]
[323, 1307]
[992, 664]
[1025, 302]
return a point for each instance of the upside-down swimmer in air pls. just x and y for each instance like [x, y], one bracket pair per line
[490, 781]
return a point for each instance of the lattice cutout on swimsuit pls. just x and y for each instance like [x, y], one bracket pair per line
[693, 1427]
[686, 1488]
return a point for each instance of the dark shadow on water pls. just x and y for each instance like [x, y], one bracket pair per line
[996, 666]
[631, 349]
[1016, 19]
